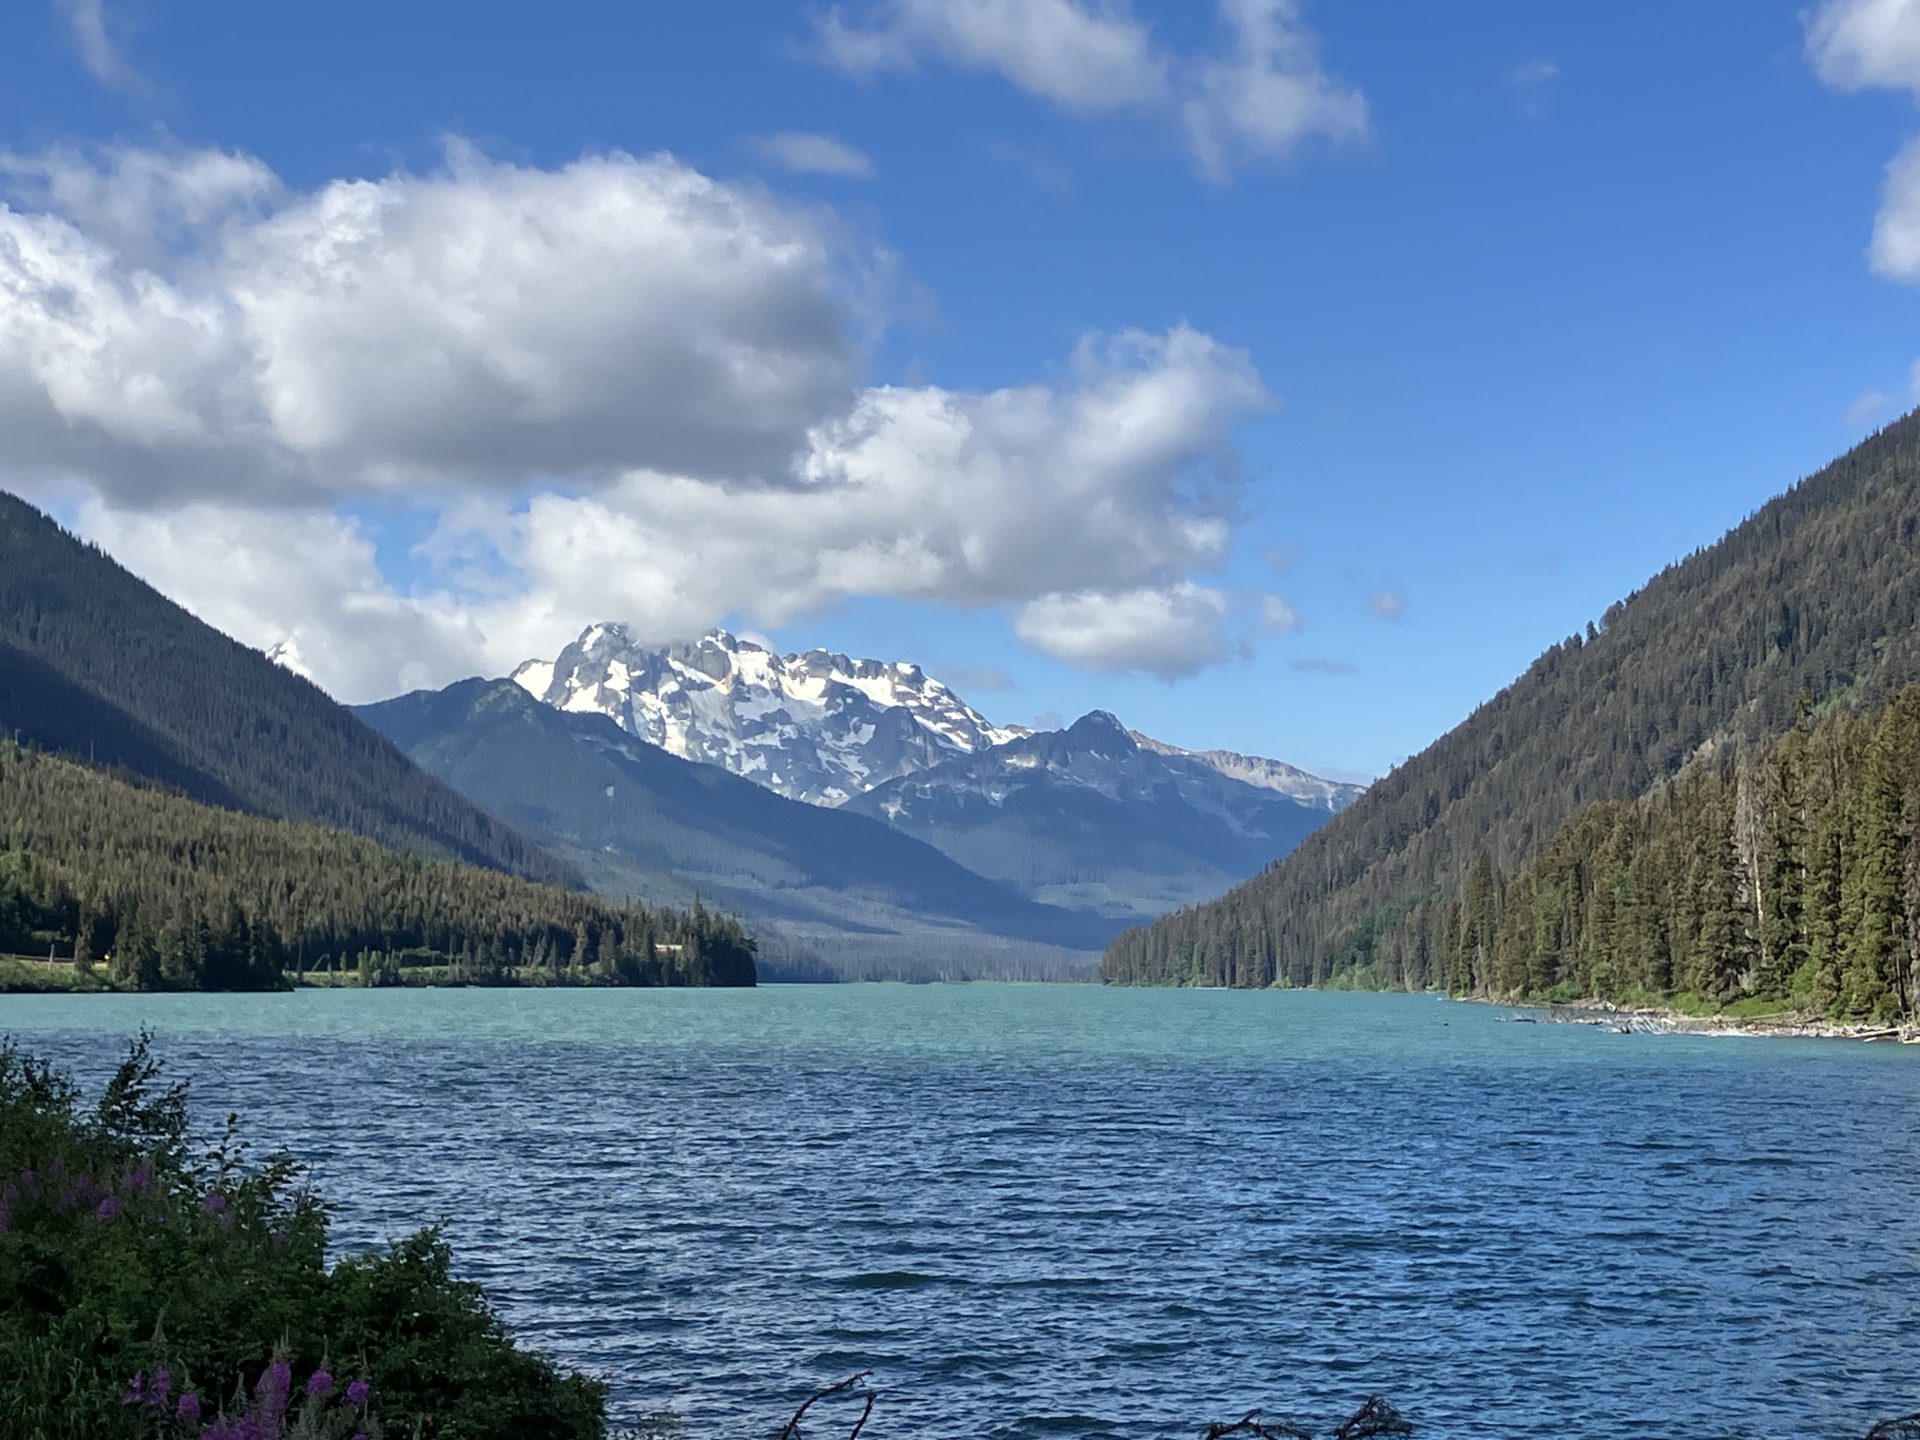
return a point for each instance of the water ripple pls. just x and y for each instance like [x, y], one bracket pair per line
[1080, 1213]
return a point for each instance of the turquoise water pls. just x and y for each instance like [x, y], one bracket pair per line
[1068, 1211]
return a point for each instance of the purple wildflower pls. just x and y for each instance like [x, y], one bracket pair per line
[109, 1207]
[188, 1409]
[30, 1184]
[272, 1389]
[140, 1179]
[320, 1384]
[136, 1389]
[214, 1202]
[6, 1219]
[359, 1392]
[161, 1390]
[359, 1435]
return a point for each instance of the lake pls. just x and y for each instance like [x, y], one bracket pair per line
[1077, 1212]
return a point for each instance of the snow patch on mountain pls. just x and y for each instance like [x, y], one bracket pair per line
[816, 726]
[1098, 755]
[1289, 780]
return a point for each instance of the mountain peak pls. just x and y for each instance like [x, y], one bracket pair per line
[1101, 729]
[817, 726]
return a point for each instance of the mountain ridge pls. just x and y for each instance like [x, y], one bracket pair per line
[1817, 593]
[1092, 815]
[815, 725]
[97, 664]
[640, 820]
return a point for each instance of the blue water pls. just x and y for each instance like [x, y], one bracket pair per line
[1067, 1211]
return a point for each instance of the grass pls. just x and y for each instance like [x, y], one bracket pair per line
[24, 975]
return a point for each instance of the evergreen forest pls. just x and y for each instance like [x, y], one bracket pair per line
[1708, 793]
[97, 664]
[1788, 880]
[157, 891]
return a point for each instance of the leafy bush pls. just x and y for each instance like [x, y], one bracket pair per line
[149, 1291]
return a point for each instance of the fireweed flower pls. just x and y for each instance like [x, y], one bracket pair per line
[213, 1202]
[109, 1207]
[189, 1408]
[320, 1384]
[359, 1392]
[271, 1392]
[161, 1390]
[136, 1389]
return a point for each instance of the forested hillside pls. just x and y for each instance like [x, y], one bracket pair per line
[97, 664]
[1791, 878]
[1089, 819]
[828, 894]
[1817, 594]
[167, 893]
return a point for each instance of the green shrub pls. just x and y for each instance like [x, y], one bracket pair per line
[134, 1273]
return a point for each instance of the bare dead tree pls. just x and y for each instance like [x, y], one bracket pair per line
[1374, 1417]
[1251, 1424]
[1906, 1427]
[851, 1383]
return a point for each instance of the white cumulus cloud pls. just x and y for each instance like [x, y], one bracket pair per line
[1085, 57]
[96, 44]
[1875, 44]
[613, 389]
[809, 154]
[1866, 44]
[479, 322]
[1277, 617]
[1169, 631]
[1256, 95]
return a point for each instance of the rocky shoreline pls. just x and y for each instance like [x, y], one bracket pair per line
[1653, 1020]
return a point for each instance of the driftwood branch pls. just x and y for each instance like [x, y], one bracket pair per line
[1375, 1417]
[1252, 1424]
[852, 1382]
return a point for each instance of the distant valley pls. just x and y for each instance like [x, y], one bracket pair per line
[853, 810]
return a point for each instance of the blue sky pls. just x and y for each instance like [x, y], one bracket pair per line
[1490, 312]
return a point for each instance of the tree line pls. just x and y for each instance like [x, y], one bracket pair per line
[1818, 592]
[1789, 876]
[167, 893]
[98, 665]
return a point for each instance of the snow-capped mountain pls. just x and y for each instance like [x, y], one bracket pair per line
[816, 726]
[1291, 781]
[1098, 818]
